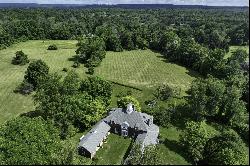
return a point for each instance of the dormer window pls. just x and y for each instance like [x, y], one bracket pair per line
[124, 129]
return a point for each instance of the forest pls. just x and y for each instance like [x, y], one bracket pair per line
[209, 115]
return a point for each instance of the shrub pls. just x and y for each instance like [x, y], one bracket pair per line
[76, 64]
[24, 88]
[124, 101]
[52, 47]
[163, 117]
[20, 58]
[91, 70]
[65, 69]
[165, 92]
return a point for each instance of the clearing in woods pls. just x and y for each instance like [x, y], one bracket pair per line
[141, 68]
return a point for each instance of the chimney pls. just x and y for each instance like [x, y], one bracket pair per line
[130, 108]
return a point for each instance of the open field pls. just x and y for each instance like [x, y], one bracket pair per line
[143, 69]
[233, 48]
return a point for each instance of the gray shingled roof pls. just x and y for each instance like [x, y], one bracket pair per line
[150, 137]
[95, 136]
[134, 119]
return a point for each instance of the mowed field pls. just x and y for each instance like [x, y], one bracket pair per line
[141, 68]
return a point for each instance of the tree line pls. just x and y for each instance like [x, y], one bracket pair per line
[126, 28]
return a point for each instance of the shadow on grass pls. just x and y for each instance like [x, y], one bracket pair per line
[74, 58]
[32, 114]
[177, 148]
[181, 116]
[164, 58]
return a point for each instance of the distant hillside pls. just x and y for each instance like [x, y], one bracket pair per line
[125, 6]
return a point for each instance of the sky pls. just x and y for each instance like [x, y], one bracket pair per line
[176, 2]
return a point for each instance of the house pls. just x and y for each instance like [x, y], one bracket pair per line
[126, 122]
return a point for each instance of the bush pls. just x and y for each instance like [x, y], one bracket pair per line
[91, 70]
[165, 92]
[76, 64]
[124, 101]
[24, 88]
[20, 58]
[163, 117]
[52, 47]
[65, 69]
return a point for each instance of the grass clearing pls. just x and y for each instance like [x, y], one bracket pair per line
[233, 48]
[141, 68]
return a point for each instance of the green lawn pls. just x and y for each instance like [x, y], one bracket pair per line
[171, 153]
[143, 69]
[233, 48]
[113, 151]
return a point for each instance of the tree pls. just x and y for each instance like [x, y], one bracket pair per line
[214, 63]
[163, 117]
[35, 71]
[20, 58]
[29, 141]
[206, 96]
[111, 37]
[98, 89]
[190, 54]
[127, 41]
[149, 155]
[91, 51]
[169, 43]
[225, 149]
[124, 101]
[233, 110]
[52, 47]
[194, 139]
[239, 55]
[64, 102]
[164, 92]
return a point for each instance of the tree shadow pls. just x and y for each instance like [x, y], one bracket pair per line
[31, 114]
[177, 148]
[74, 58]
[181, 116]
[163, 57]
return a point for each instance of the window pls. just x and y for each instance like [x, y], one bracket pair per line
[124, 133]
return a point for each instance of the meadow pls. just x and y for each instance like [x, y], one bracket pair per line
[143, 69]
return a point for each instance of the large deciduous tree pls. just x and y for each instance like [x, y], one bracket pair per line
[35, 71]
[28, 141]
[98, 89]
[194, 139]
[225, 149]
[91, 51]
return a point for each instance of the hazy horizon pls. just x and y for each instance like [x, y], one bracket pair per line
[174, 2]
